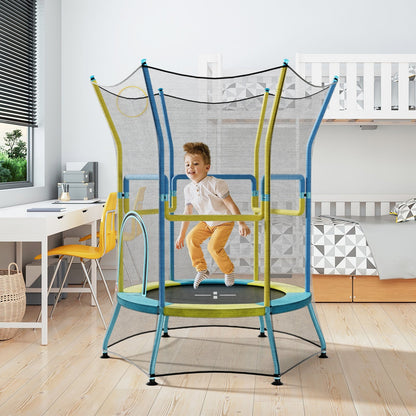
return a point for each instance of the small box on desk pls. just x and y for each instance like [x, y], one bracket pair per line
[79, 176]
[82, 191]
[33, 280]
[90, 167]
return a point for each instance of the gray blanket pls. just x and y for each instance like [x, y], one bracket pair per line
[393, 245]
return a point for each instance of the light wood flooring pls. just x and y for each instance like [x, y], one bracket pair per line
[371, 370]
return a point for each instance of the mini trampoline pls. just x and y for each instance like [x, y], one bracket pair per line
[228, 113]
[214, 299]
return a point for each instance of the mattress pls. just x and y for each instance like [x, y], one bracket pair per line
[364, 246]
[339, 247]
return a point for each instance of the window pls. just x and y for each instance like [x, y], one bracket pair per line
[17, 91]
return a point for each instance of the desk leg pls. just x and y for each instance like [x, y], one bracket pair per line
[93, 265]
[44, 290]
[19, 256]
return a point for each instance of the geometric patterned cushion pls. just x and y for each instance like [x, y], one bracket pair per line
[395, 210]
[405, 211]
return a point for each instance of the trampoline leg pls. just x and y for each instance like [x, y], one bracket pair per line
[272, 341]
[318, 331]
[261, 334]
[110, 330]
[159, 328]
[165, 327]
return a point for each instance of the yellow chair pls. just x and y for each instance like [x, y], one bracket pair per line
[129, 235]
[107, 242]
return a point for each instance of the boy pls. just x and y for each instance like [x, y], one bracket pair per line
[209, 196]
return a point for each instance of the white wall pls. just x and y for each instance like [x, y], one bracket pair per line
[108, 39]
[350, 161]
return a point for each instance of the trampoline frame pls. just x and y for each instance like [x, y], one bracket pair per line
[135, 298]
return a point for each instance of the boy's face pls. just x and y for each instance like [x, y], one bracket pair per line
[195, 167]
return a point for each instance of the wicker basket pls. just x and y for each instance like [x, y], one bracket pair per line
[12, 299]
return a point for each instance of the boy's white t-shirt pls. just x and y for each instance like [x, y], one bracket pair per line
[207, 197]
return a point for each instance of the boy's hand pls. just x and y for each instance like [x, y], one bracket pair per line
[243, 229]
[180, 242]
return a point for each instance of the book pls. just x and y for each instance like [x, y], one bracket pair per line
[46, 209]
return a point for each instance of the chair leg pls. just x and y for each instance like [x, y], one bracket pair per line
[62, 286]
[85, 281]
[97, 261]
[51, 283]
[92, 292]
[104, 281]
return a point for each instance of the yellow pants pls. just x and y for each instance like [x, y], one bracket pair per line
[219, 236]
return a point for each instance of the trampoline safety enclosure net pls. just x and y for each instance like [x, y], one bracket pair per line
[260, 129]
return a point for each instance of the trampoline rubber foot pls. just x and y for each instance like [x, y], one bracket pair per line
[105, 355]
[323, 355]
[262, 335]
[165, 335]
[152, 382]
[277, 382]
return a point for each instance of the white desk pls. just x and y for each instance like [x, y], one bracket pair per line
[18, 225]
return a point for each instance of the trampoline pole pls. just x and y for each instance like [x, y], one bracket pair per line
[255, 196]
[110, 330]
[267, 174]
[160, 320]
[119, 153]
[273, 349]
[256, 251]
[163, 196]
[171, 174]
[318, 331]
[261, 334]
[165, 327]
[309, 183]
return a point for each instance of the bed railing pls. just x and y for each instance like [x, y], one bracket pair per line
[370, 86]
[368, 207]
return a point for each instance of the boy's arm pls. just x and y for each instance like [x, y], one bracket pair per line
[180, 241]
[231, 205]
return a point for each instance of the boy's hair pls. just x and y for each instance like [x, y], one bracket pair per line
[198, 148]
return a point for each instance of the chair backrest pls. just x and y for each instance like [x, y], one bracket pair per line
[108, 232]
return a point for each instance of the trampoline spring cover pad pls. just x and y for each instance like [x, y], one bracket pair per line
[214, 299]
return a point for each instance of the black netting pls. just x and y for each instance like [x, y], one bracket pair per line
[224, 113]
[224, 345]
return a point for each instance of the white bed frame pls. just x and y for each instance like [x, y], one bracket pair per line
[370, 87]
[355, 205]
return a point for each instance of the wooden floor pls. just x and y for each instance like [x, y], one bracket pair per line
[371, 370]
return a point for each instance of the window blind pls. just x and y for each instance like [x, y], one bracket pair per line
[18, 62]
